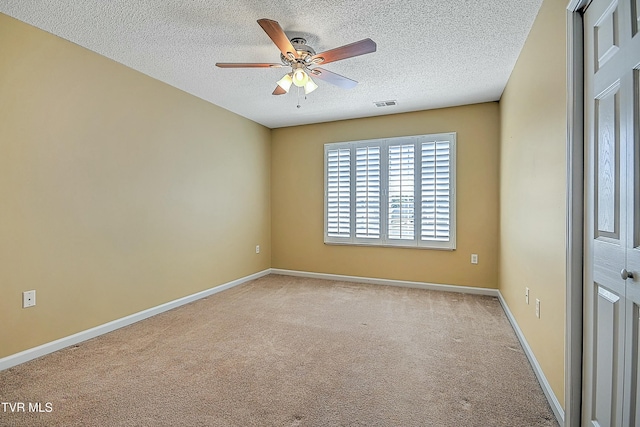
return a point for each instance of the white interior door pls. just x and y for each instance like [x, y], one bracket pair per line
[631, 98]
[612, 252]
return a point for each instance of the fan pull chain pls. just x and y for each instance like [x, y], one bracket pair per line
[298, 93]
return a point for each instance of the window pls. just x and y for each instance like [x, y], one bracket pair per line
[391, 192]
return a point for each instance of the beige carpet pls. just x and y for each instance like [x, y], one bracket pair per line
[285, 351]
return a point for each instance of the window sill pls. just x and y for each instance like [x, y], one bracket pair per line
[399, 246]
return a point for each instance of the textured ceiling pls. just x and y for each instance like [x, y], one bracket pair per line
[431, 53]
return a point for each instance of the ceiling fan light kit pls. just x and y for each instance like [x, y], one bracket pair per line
[295, 53]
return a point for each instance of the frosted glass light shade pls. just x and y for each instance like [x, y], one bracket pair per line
[310, 87]
[285, 82]
[300, 78]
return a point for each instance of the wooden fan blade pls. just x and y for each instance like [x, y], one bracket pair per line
[346, 51]
[333, 78]
[279, 91]
[276, 33]
[246, 65]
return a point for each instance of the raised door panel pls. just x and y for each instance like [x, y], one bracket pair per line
[635, 16]
[606, 35]
[607, 164]
[632, 371]
[635, 411]
[634, 162]
[608, 366]
[632, 137]
[609, 217]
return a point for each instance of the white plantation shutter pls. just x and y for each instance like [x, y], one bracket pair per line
[368, 192]
[436, 191]
[400, 198]
[393, 192]
[338, 192]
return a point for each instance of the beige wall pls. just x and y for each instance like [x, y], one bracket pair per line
[532, 190]
[118, 192]
[297, 199]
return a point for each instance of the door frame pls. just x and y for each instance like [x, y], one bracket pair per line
[575, 215]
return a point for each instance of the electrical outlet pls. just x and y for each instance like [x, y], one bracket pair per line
[28, 299]
[537, 308]
[474, 258]
[526, 295]
[257, 249]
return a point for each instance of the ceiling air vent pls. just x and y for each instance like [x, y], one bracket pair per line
[386, 103]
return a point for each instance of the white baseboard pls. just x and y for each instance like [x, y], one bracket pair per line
[389, 282]
[32, 353]
[542, 379]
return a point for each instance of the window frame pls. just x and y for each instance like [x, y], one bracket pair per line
[383, 240]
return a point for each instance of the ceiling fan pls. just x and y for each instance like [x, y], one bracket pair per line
[303, 60]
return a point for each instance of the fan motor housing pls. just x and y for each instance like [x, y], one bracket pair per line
[304, 51]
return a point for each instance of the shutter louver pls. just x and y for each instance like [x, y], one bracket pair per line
[401, 192]
[338, 192]
[368, 192]
[436, 191]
